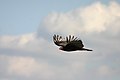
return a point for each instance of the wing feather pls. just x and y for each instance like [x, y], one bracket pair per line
[75, 42]
[70, 40]
[58, 40]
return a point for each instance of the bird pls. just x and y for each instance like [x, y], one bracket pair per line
[69, 43]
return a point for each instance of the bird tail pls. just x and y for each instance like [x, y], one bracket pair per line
[87, 49]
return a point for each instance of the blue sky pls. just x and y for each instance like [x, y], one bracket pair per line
[27, 51]
[18, 17]
[25, 16]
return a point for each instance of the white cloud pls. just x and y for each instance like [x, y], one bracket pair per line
[26, 42]
[39, 68]
[22, 66]
[42, 60]
[28, 66]
[104, 70]
[97, 18]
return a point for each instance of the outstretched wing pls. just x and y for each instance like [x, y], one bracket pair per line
[59, 41]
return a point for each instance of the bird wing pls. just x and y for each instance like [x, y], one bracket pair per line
[59, 41]
[69, 41]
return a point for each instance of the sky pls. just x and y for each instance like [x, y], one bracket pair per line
[27, 51]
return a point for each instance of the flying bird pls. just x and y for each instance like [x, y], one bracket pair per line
[69, 43]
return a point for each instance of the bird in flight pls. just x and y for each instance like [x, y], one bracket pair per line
[69, 43]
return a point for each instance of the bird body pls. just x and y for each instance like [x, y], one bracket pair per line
[69, 43]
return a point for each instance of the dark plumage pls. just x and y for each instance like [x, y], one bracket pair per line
[69, 43]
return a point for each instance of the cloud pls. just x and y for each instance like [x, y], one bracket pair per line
[24, 42]
[29, 67]
[97, 25]
[26, 67]
[21, 59]
[104, 70]
[31, 56]
[21, 66]
[95, 18]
